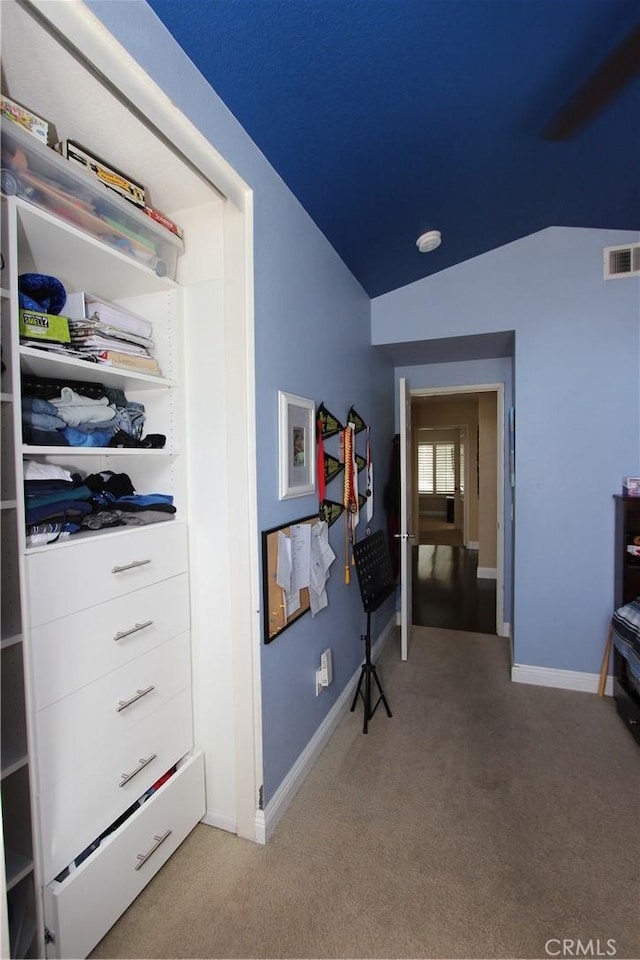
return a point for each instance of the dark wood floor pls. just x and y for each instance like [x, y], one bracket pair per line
[447, 592]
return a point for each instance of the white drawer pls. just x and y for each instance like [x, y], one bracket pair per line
[75, 729]
[74, 811]
[76, 575]
[79, 911]
[70, 652]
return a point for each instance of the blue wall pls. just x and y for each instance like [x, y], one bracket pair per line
[576, 394]
[312, 328]
[577, 399]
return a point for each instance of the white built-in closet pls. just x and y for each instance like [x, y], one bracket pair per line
[192, 593]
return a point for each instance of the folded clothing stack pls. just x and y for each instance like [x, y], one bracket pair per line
[79, 414]
[626, 635]
[59, 503]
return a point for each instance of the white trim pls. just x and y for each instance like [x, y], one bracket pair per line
[260, 827]
[473, 545]
[563, 679]
[500, 463]
[487, 573]
[220, 820]
[268, 819]
[4, 928]
[505, 631]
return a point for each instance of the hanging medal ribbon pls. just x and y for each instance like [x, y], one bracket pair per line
[354, 506]
[350, 495]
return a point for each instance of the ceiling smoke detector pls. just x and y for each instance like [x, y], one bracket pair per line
[429, 241]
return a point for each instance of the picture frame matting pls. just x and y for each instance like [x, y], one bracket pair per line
[296, 446]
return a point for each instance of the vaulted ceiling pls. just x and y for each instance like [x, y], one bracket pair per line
[389, 118]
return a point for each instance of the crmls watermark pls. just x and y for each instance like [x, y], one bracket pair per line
[568, 947]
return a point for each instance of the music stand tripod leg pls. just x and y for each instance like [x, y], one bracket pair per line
[367, 671]
[381, 691]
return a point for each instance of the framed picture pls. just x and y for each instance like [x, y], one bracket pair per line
[297, 445]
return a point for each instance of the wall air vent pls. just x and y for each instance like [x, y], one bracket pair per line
[622, 261]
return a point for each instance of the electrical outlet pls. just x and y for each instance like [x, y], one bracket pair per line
[324, 675]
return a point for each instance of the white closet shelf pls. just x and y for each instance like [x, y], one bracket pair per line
[104, 533]
[18, 867]
[79, 259]
[12, 763]
[39, 363]
[66, 451]
[9, 640]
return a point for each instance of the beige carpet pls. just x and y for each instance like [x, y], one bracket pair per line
[484, 819]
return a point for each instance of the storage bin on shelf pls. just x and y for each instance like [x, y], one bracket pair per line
[41, 176]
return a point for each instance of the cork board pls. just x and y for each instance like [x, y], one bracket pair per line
[276, 617]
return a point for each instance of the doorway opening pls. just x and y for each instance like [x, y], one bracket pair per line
[456, 490]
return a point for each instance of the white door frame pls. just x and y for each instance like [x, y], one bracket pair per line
[100, 49]
[405, 534]
[502, 629]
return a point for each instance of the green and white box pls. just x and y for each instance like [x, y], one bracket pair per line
[44, 326]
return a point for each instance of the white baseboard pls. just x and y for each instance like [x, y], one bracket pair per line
[261, 827]
[213, 818]
[267, 819]
[487, 573]
[563, 679]
[505, 630]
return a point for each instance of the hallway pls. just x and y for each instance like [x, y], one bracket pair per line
[447, 592]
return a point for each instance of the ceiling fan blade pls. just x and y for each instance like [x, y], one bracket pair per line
[604, 83]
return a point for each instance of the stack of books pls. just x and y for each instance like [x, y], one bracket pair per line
[105, 333]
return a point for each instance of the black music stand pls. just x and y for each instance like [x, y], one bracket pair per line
[375, 576]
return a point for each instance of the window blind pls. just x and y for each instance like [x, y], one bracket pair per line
[436, 468]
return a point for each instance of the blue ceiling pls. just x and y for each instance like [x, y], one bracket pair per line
[388, 118]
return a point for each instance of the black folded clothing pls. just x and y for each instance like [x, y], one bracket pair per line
[152, 441]
[117, 484]
[49, 387]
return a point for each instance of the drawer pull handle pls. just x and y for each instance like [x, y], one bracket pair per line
[130, 566]
[139, 694]
[142, 763]
[127, 633]
[143, 857]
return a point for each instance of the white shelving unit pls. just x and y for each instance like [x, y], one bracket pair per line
[67, 594]
[15, 785]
